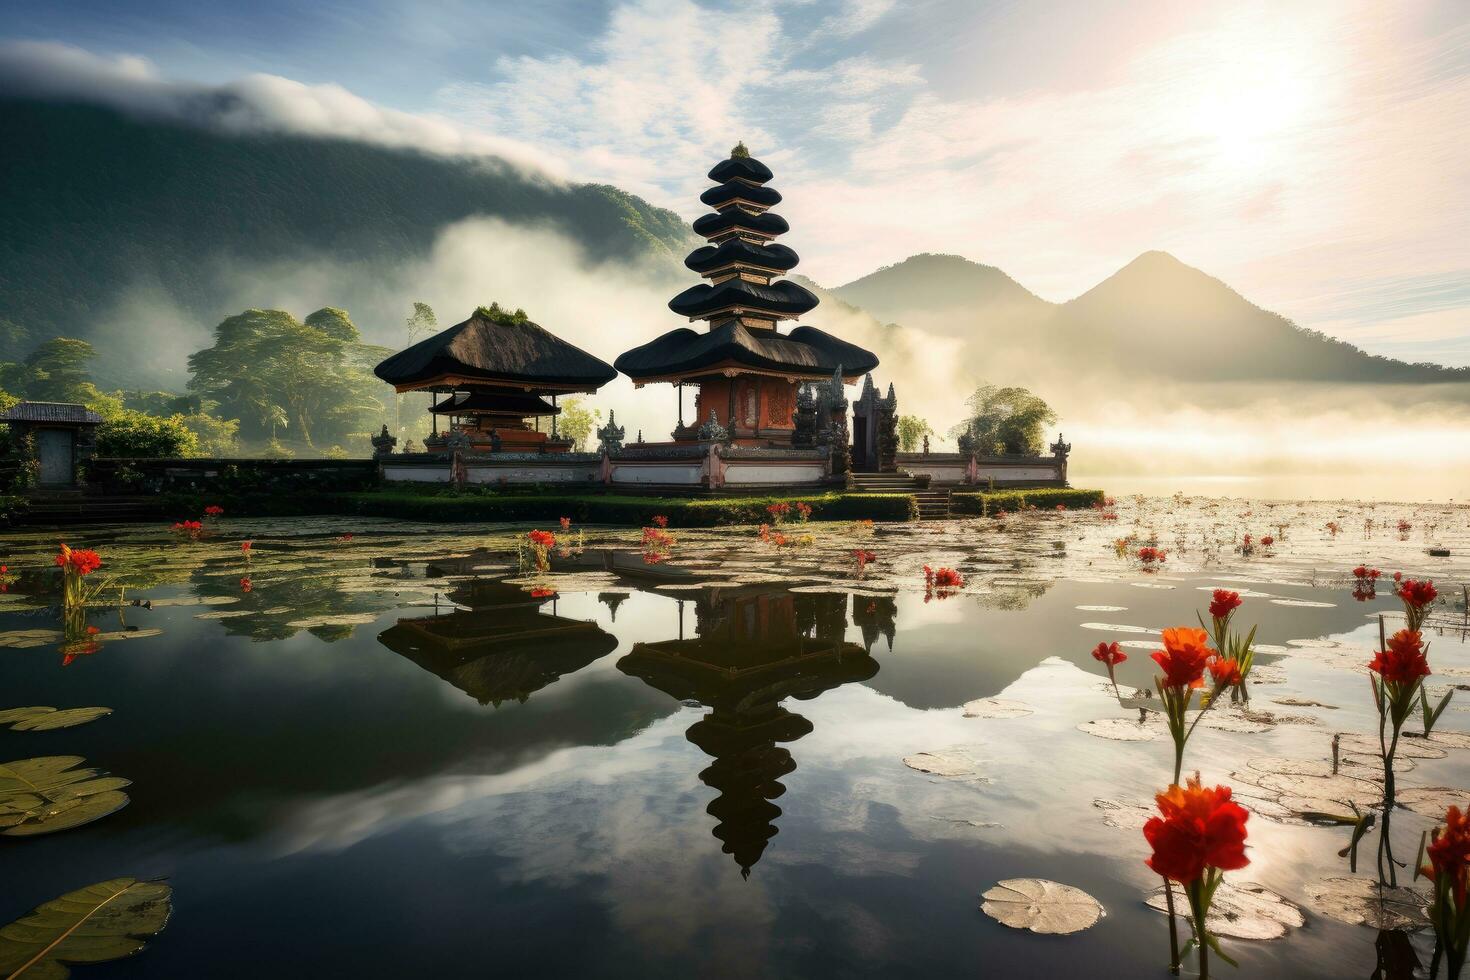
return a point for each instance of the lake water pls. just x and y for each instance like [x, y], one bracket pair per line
[396, 755]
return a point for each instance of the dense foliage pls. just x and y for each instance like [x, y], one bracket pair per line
[911, 433]
[1004, 420]
[180, 207]
[273, 373]
[127, 433]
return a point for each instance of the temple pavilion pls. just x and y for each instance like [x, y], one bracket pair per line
[494, 374]
[744, 369]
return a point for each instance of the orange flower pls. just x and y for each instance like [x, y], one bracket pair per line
[1225, 672]
[1197, 828]
[542, 539]
[1186, 651]
[659, 520]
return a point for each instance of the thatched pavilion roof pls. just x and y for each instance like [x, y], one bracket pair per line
[491, 348]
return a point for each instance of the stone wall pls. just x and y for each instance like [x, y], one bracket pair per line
[183, 475]
[1007, 471]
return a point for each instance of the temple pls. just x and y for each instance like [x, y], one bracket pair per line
[744, 370]
[495, 372]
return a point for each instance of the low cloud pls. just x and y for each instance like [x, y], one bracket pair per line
[256, 103]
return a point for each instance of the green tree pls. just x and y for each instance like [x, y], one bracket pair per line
[911, 432]
[577, 422]
[421, 320]
[266, 368]
[59, 371]
[1005, 420]
[128, 433]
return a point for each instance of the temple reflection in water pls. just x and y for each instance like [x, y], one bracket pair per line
[503, 646]
[752, 649]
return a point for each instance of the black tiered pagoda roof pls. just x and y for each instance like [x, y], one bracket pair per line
[744, 300]
[493, 348]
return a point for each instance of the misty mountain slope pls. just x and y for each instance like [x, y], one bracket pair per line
[1155, 316]
[92, 201]
[931, 283]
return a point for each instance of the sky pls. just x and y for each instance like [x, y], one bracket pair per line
[1312, 155]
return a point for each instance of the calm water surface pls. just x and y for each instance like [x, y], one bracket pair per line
[379, 762]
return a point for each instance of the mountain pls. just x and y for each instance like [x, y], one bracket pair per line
[938, 284]
[1155, 316]
[93, 201]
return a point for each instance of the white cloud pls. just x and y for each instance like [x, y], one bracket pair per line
[255, 103]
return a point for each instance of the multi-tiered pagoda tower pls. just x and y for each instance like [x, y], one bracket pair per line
[745, 370]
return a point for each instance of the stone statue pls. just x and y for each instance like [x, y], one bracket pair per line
[804, 436]
[713, 431]
[888, 432]
[495, 441]
[383, 444]
[610, 436]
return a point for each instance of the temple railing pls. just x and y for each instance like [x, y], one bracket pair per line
[1002, 471]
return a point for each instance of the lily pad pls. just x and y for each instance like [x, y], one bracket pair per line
[1244, 910]
[997, 708]
[1432, 801]
[48, 794]
[48, 719]
[1408, 748]
[946, 762]
[21, 639]
[1362, 901]
[1122, 729]
[97, 924]
[1124, 814]
[1042, 906]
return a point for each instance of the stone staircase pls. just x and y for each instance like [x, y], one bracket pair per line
[933, 504]
[72, 506]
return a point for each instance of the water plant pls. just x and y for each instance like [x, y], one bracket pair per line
[1198, 835]
[1448, 870]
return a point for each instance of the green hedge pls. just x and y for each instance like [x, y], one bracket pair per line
[1042, 498]
[582, 508]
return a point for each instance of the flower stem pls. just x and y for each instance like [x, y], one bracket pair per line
[1173, 928]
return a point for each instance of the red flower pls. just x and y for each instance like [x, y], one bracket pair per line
[246, 545]
[1225, 602]
[803, 510]
[778, 511]
[245, 585]
[1267, 541]
[660, 520]
[1109, 654]
[1148, 554]
[1225, 672]
[1398, 576]
[947, 578]
[1403, 662]
[542, 539]
[79, 560]
[93, 631]
[1449, 853]
[566, 523]
[1417, 594]
[214, 510]
[345, 537]
[1186, 651]
[1198, 828]
[542, 593]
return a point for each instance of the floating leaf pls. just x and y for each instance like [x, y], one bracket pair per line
[1432, 801]
[12, 715]
[1122, 729]
[1291, 702]
[44, 795]
[21, 639]
[49, 719]
[997, 708]
[97, 924]
[1450, 740]
[1359, 743]
[1041, 906]
[1124, 814]
[946, 762]
[1243, 910]
[1364, 902]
